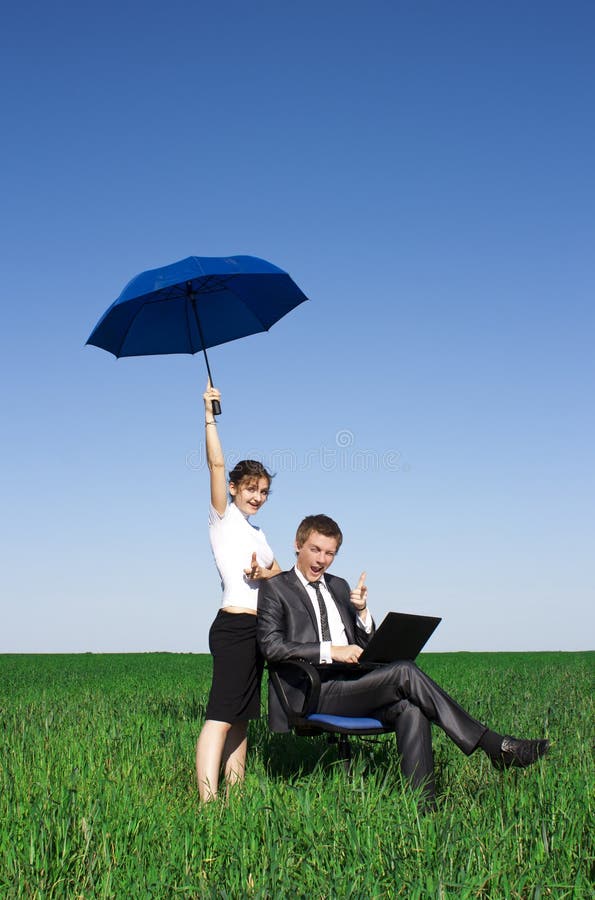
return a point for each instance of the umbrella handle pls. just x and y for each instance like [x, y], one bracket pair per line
[216, 407]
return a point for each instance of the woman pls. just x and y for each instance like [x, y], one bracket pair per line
[237, 663]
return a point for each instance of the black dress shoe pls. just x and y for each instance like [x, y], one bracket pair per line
[520, 753]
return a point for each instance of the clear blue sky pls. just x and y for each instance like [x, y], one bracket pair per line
[424, 170]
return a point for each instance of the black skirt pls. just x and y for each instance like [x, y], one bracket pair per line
[237, 668]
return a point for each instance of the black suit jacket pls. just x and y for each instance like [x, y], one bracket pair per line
[287, 629]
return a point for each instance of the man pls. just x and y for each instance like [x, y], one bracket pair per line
[306, 614]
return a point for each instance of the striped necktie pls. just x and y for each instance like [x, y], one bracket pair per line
[324, 626]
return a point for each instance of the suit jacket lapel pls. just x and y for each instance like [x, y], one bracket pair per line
[301, 594]
[344, 613]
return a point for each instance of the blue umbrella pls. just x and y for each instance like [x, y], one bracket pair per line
[198, 302]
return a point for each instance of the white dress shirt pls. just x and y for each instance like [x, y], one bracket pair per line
[336, 626]
[233, 540]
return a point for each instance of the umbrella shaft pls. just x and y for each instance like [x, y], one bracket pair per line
[192, 296]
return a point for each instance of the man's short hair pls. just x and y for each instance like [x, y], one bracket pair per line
[321, 524]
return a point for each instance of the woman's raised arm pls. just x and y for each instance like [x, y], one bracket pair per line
[215, 458]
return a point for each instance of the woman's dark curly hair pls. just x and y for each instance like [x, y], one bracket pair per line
[248, 470]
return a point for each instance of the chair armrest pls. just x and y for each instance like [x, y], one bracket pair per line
[312, 686]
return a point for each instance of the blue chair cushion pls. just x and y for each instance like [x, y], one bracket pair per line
[351, 723]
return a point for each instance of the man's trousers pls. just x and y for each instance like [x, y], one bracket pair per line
[407, 699]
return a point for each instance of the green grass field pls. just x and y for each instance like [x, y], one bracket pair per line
[97, 792]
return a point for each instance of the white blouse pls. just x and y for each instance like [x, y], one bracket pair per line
[233, 540]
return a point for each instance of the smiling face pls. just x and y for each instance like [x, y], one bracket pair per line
[250, 494]
[315, 555]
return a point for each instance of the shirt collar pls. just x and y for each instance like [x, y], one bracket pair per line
[307, 583]
[243, 515]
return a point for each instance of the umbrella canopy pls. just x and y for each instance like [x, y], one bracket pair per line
[198, 302]
[164, 310]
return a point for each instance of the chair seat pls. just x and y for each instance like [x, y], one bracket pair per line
[309, 724]
[350, 724]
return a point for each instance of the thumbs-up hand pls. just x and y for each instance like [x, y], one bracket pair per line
[359, 594]
[254, 571]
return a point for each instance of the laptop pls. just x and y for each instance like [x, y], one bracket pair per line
[399, 636]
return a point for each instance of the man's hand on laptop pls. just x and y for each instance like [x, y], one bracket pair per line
[349, 654]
